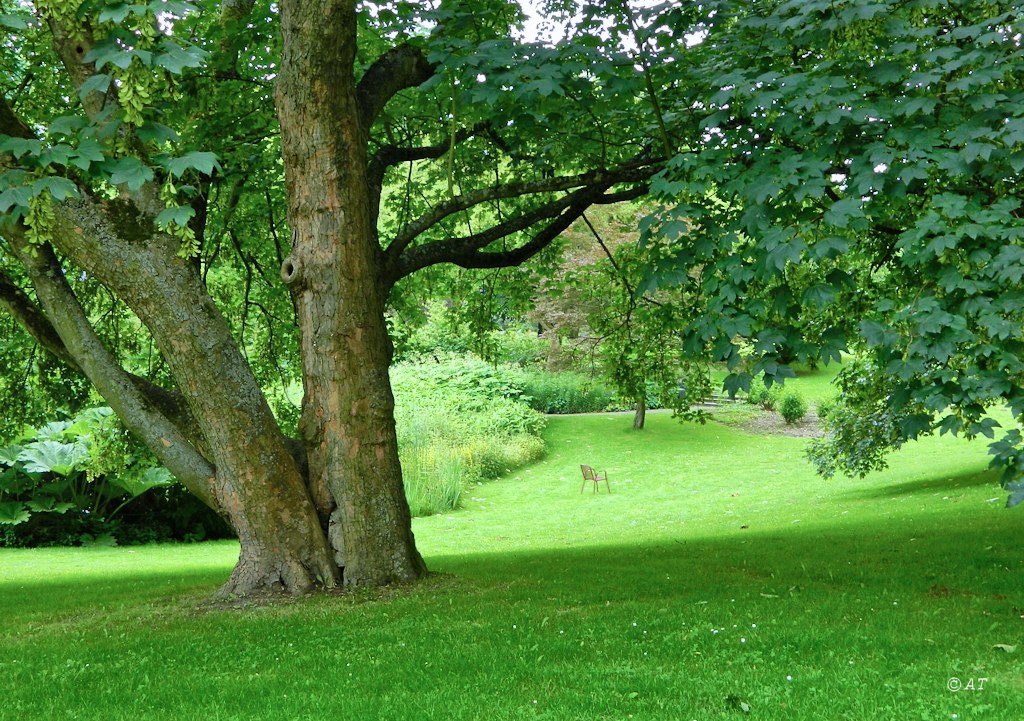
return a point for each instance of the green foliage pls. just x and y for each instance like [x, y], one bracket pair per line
[792, 406]
[84, 467]
[858, 185]
[460, 421]
[761, 395]
[564, 392]
[863, 425]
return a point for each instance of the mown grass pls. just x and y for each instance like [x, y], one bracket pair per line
[718, 575]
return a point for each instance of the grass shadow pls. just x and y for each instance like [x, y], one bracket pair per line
[931, 485]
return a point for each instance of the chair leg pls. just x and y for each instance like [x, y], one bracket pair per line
[607, 486]
[584, 485]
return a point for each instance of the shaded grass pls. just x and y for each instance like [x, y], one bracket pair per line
[838, 600]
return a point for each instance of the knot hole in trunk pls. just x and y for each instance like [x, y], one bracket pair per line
[291, 270]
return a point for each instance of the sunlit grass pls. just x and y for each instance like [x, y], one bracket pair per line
[718, 574]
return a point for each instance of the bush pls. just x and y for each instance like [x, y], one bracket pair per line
[460, 421]
[85, 480]
[565, 392]
[760, 395]
[792, 406]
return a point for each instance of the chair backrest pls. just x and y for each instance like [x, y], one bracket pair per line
[588, 472]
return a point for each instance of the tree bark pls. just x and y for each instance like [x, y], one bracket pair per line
[641, 413]
[257, 483]
[335, 275]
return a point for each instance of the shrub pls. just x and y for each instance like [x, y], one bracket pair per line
[760, 395]
[792, 406]
[85, 480]
[87, 465]
[488, 458]
[460, 421]
[564, 392]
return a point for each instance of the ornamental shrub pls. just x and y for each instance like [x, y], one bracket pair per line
[792, 406]
[761, 395]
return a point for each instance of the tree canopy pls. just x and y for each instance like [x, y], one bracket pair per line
[857, 187]
[836, 175]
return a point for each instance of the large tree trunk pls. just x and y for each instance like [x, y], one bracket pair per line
[334, 272]
[257, 484]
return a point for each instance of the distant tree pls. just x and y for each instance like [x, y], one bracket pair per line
[630, 337]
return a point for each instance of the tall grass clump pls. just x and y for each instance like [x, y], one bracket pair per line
[564, 392]
[460, 421]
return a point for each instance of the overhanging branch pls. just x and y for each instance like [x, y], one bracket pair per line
[468, 251]
[599, 180]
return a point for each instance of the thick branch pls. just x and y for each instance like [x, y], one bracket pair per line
[601, 179]
[137, 411]
[389, 155]
[510, 258]
[11, 124]
[30, 317]
[468, 252]
[72, 44]
[401, 67]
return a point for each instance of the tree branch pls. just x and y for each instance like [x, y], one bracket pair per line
[139, 412]
[638, 171]
[401, 67]
[391, 155]
[11, 124]
[30, 317]
[467, 252]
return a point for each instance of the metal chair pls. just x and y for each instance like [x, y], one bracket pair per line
[590, 475]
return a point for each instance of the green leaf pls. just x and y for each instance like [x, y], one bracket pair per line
[9, 455]
[109, 51]
[842, 212]
[151, 132]
[20, 146]
[53, 457]
[137, 484]
[179, 215]
[128, 171]
[89, 151]
[98, 83]
[48, 504]
[15, 197]
[176, 58]
[203, 162]
[17, 22]
[819, 295]
[59, 188]
[1017, 493]
[12, 513]
[115, 13]
[67, 125]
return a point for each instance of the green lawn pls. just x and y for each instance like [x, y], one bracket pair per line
[719, 575]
